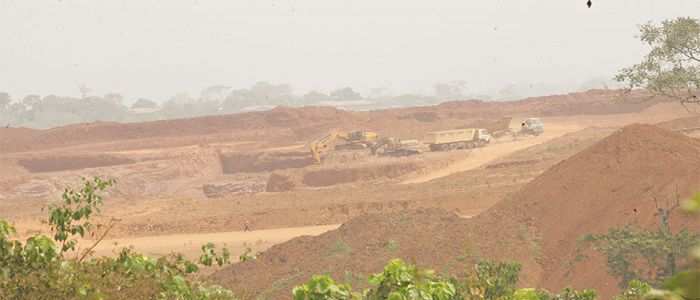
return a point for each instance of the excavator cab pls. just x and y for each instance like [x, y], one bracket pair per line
[356, 136]
[357, 140]
[354, 139]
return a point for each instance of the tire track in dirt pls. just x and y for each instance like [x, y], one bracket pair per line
[481, 156]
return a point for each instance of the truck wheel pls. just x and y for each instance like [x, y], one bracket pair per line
[453, 146]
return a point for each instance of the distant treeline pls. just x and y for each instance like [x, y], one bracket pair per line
[34, 111]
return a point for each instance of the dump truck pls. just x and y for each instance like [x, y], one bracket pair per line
[457, 139]
[532, 126]
[396, 147]
[353, 139]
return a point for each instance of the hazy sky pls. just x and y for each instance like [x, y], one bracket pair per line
[156, 49]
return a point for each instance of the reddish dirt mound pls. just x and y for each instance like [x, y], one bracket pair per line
[63, 163]
[280, 117]
[263, 161]
[606, 185]
[682, 123]
[589, 102]
[603, 186]
[430, 238]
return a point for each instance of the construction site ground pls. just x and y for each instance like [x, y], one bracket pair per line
[184, 183]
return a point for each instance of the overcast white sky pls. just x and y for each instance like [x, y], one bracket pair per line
[156, 49]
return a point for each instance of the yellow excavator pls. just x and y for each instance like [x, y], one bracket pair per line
[354, 139]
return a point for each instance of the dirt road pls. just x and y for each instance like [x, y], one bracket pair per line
[482, 156]
[189, 244]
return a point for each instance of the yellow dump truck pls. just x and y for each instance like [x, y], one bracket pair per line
[457, 139]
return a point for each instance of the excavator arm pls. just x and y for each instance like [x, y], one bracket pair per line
[321, 143]
[376, 146]
[354, 139]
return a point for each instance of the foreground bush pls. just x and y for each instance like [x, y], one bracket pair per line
[401, 282]
[38, 268]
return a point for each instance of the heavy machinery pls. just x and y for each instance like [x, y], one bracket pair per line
[354, 139]
[532, 126]
[457, 139]
[396, 147]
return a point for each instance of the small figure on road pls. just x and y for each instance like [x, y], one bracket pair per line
[246, 225]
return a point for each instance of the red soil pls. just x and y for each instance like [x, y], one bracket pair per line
[603, 186]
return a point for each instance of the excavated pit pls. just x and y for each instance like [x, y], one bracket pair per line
[329, 177]
[71, 162]
[263, 161]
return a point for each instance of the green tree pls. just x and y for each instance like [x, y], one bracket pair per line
[633, 253]
[400, 282]
[38, 268]
[672, 66]
[321, 287]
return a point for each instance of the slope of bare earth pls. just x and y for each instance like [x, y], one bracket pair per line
[603, 186]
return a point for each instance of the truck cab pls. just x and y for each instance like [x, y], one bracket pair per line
[483, 135]
[532, 126]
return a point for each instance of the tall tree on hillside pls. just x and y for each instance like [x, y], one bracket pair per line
[672, 66]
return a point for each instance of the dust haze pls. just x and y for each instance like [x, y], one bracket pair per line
[507, 149]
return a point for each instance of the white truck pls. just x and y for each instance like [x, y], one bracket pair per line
[532, 126]
[457, 139]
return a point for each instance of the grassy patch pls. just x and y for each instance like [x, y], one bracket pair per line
[339, 248]
[392, 245]
[282, 283]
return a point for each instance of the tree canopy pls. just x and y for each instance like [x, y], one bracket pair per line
[672, 66]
